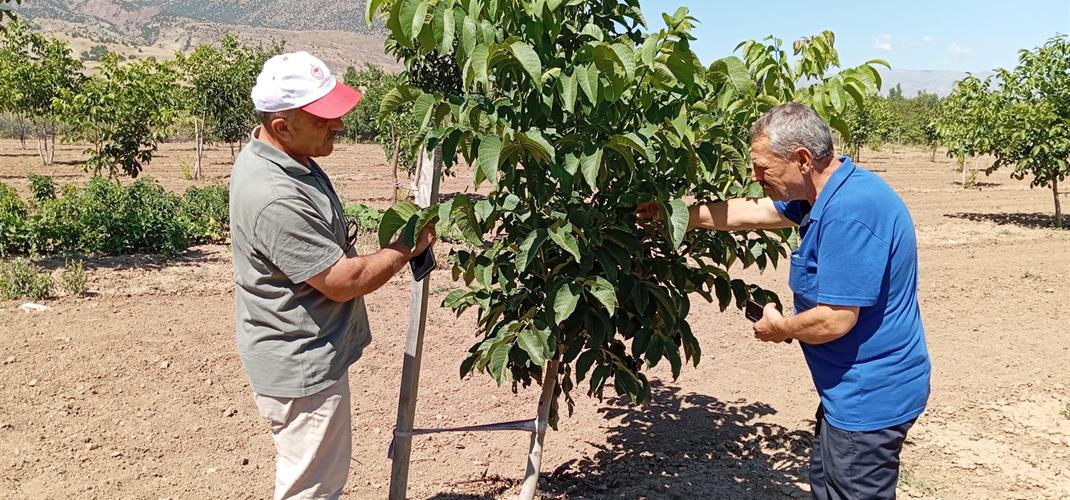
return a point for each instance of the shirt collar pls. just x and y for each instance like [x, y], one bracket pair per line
[272, 154]
[846, 168]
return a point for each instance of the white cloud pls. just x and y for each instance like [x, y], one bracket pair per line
[957, 51]
[883, 42]
[927, 39]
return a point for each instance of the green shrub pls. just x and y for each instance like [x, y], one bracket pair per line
[21, 279]
[367, 218]
[105, 217]
[72, 279]
[13, 214]
[205, 213]
[43, 188]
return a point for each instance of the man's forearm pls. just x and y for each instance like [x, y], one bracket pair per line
[737, 214]
[819, 325]
[359, 276]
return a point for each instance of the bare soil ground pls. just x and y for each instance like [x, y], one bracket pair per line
[136, 391]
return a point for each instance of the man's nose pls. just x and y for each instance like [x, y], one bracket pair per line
[336, 125]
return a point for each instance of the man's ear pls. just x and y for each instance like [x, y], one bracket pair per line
[805, 159]
[280, 129]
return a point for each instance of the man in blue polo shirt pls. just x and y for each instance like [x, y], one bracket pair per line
[854, 279]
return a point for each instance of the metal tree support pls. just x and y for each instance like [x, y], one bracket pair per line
[531, 474]
[427, 180]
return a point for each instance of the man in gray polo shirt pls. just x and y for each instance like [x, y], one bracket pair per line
[299, 304]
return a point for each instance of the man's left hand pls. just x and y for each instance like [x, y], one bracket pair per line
[765, 329]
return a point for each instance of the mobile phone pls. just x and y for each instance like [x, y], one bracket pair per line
[422, 264]
[754, 312]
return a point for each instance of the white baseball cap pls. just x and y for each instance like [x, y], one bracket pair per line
[300, 80]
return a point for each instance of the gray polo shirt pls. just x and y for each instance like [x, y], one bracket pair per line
[287, 225]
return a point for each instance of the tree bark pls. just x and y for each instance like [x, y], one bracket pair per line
[1058, 207]
[198, 131]
[22, 132]
[397, 187]
[52, 152]
[531, 474]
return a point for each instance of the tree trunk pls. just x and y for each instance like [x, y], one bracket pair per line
[397, 187]
[22, 132]
[200, 149]
[531, 475]
[232, 157]
[52, 153]
[42, 144]
[932, 157]
[1058, 207]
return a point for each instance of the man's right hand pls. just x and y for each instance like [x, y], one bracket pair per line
[424, 240]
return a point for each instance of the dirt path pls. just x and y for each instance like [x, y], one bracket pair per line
[136, 390]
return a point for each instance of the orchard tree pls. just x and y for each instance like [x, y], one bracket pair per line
[1033, 118]
[33, 70]
[122, 113]
[220, 78]
[967, 120]
[396, 131]
[573, 115]
[871, 125]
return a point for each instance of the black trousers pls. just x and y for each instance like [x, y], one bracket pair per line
[855, 465]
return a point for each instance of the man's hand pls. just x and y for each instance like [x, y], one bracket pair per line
[766, 328]
[647, 211]
[425, 239]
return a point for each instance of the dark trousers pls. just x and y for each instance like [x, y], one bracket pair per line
[855, 465]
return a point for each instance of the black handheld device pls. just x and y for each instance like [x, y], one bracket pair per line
[422, 264]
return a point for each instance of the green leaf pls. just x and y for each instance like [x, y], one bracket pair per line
[588, 81]
[422, 108]
[395, 218]
[564, 239]
[468, 35]
[372, 8]
[490, 151]
[463, 216]
[626, 56]
[604, 292]
[590, 166]
[396, 97]
[499, 358]
[528, 59]
[584, 362]
[530, 248]
[568, 93]
[536, 344]
[678, 217]
[479, 60]
[412, 16]
[565, 299]
[538, 146]
[444, 24]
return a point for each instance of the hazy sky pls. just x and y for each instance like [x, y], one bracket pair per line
[943, 35]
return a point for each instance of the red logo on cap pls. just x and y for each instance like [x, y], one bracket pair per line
[317, 73]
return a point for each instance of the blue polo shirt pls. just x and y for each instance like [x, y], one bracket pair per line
[858, 249]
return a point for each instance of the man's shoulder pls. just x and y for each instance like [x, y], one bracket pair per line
[255, 183]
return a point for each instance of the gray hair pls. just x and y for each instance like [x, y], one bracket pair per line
[267, 117]
[790, 126]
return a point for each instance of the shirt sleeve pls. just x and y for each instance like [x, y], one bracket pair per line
[794, 210]
[295, 237]
[852, 264]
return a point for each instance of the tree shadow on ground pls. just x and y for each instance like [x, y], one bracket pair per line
[498, 486]
[1029, 220]
[688, 446]
[191, 257]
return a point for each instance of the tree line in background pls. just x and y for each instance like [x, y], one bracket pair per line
[122, 110]
[1020, 117]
